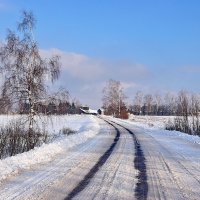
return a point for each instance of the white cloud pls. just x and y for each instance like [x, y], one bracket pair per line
[79, 66]
[85, 76]
[129, 85]
[128, 69]
[190, 69]
[87, 68]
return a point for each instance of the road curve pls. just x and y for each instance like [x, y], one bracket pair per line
[102, 168]
[121, 162]
[86, 180]
[172, 164]
[141, 190]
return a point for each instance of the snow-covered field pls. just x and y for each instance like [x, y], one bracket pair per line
[86, 127]
[155, 125]
[52, 123]
[158, 121]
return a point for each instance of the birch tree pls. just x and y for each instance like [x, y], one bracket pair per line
[195, 108]
[138, 102]
[148, 99]
[24, 71]
[113, 98]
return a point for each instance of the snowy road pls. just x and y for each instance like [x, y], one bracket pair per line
[173, 164]
[121, 162]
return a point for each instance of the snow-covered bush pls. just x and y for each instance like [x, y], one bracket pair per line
[14, 139]
[67, 131]
[191, 126]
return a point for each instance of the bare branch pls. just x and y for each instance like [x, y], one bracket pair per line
[54, 67]
[28, 21]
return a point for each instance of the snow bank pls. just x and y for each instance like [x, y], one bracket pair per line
[86, 127]
[154, 126]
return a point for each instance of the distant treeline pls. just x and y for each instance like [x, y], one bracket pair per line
[184, 105]
[46, 108]
[169, 104]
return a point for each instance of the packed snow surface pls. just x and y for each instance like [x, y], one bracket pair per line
[86, 127]
[172, 159]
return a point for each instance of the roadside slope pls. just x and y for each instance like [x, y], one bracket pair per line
[86, 126]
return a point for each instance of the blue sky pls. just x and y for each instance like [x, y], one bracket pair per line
[148, 45]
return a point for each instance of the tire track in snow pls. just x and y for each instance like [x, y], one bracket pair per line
[141, 190]
[83, 184]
